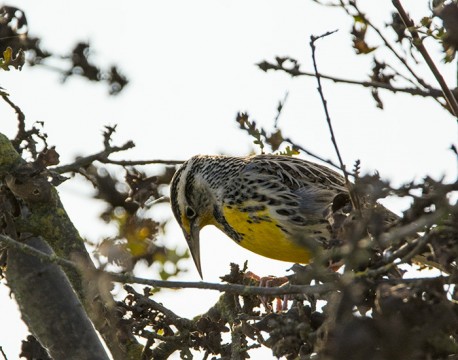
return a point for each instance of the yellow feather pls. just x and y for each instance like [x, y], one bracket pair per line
[265, 238]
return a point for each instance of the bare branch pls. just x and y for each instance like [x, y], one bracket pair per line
[101, 156]
[354, 198]
[280, 106]
[22, 134]
[20, 116]
[229, 288]
[430, 92]
[397, 234]
[3, 353]
[26, 249]
[49, 305]
[405, 253]
[125, 278]
[180, 322]
[142, 162]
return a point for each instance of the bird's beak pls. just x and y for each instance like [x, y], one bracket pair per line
[194, 245]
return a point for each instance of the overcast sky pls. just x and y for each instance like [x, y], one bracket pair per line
[191, 66]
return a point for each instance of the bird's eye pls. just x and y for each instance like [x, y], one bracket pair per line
[190, 213]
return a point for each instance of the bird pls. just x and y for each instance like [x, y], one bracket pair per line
[272, 205]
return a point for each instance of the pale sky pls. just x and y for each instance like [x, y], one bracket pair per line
[191, 66]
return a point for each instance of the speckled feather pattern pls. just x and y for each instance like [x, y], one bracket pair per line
[296, 192]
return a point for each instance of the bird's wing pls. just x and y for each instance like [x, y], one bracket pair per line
[298, 173]
[296, 188]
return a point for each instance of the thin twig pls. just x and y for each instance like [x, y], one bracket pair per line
[415, 280]
[180, 322]
[23, 134]
[229, 288]
[434, 93]
[408, 251]
[418, 43]
[354, 198]
[143, 162]
[20, 116]
[3, 353]
[323, 99]
[405, 253]
[394, 236]
[101, 156]
[281, 104]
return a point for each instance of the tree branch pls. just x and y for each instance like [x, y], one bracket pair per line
[354, 198]
[85, 161]
[143, 162]
[49, 306]
[103, 157]
[394, 236]
[434, 93]
[3, 353]
[129, 279]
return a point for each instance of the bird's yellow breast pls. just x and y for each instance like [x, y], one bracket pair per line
[262, 235]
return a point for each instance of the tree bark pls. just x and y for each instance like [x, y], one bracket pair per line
[50, 307]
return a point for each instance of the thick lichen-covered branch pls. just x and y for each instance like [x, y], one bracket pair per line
[44, 295]
[41, 214]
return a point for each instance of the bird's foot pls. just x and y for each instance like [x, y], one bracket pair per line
[271, 281]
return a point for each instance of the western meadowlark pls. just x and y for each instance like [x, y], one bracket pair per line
[270, 204]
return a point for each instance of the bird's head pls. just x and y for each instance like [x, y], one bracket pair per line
[193, 202]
